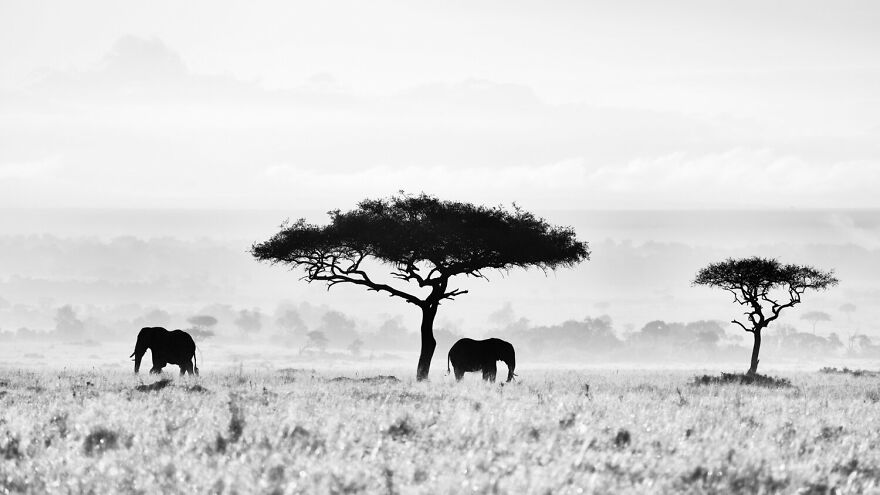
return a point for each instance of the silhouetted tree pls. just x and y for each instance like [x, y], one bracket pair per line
[567, 339]
[666, 339]
[355, 347]
[153, 318]
[763, 286]
[316, 339]
[67, 324]
[834, 341]
[504, 316]
[815, 317]
[656, 329]
[848, 309]
[198, 334]
[393, 335]
[203, 321]
[201, 326]
[426, 242]
[338, 328]
[249, 320]
[291, 321]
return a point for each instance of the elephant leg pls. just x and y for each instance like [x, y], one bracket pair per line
[157, 366]
[459, 374]
[489, 373]
[158, 363]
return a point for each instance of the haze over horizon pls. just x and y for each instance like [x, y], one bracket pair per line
[140, 155]
[584, 105]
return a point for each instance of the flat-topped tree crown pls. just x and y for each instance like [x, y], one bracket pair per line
[763, 275]
[765, 287]
[426, 241]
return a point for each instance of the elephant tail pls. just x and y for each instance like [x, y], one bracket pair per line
[447, 364]
[195, 361]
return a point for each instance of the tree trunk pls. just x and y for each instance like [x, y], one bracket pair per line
[428, 342]
[756, 348]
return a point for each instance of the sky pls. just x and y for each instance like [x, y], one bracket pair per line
[561, 105]
[145, 145]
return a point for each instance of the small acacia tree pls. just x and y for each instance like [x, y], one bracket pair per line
[765, 287]
[425, 241]
[815, 317]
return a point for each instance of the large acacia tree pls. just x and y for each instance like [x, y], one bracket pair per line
[424, 242]
[765, 287]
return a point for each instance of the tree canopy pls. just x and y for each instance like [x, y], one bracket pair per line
[815, 317]
[765, 286]
[425, 241]
[409, 231]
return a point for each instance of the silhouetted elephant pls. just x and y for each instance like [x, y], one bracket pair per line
[481, 355]
[176, 347]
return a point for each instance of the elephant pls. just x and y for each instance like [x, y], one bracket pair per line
[175, 347]
[481, 355]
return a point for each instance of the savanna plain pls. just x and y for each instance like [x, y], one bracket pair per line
[313, 431]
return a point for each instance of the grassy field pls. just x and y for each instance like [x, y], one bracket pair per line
[295, 431]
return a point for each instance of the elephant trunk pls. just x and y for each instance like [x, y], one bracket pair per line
[139, 350]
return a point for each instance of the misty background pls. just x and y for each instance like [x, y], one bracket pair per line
[143, 149]
[101, 275]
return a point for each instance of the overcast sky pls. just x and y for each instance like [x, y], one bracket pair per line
[315, 105]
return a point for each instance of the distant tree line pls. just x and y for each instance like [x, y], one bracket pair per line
[312, 331]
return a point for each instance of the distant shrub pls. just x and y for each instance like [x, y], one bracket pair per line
[847, 371]
[369, 379]
[401, 429]
[100, 440]
[830, 432]
[303, 438]
[236, 422]
[567, 422]
[155, 386]
[9, 450]
[742, 379]
[196, 388]
[622, 438]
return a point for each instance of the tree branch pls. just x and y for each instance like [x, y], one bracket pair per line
[365, 281]
[344, 267]
[743, 326]
[451, 294]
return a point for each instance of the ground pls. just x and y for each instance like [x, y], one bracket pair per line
[298, 431]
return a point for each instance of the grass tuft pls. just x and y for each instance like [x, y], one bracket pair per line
[567, 422]
[236, 421]
[847, 371]
[369, 379]
[622, 438]
[100, 440]
[155, 386]
[742, 379]
[401, 429]
[10, 451]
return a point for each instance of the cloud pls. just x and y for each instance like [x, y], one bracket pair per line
[29, 170]
[737, 178]
[141, 129]
[133, 58]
